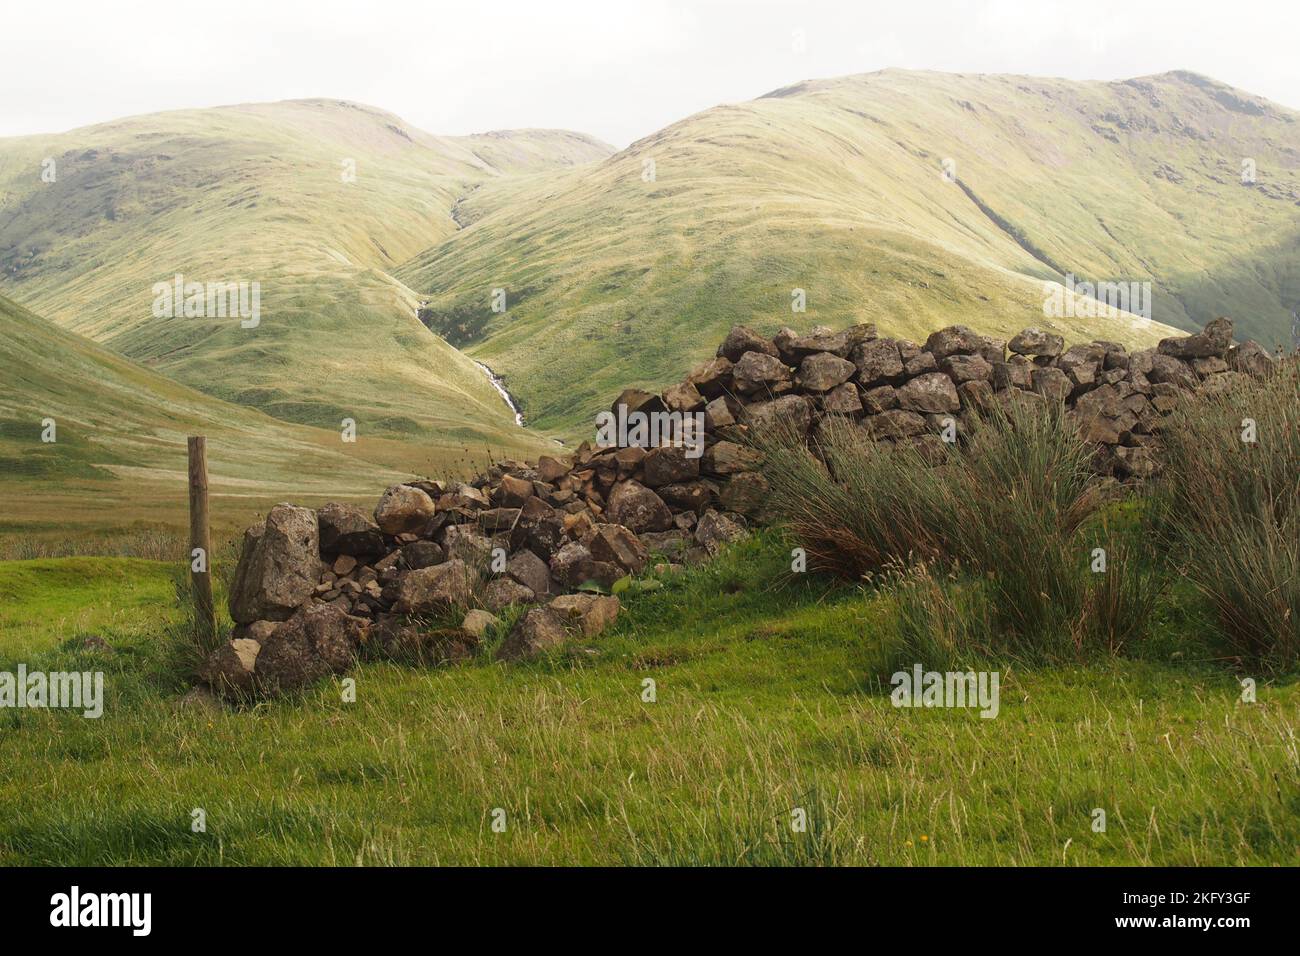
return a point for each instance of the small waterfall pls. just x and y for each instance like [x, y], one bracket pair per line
[510, 399]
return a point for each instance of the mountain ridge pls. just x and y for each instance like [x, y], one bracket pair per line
[315, 202]
[838, 187]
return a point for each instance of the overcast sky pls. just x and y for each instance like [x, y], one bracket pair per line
[617, 69]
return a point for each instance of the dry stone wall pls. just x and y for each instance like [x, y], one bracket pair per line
[316, 589]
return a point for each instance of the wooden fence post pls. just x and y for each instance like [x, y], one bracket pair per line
[201, 537]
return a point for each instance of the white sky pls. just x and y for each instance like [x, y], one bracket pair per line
[618, 69]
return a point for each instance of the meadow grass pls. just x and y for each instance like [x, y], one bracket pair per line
[770, 697]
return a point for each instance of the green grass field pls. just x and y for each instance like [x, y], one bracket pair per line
[769, 699]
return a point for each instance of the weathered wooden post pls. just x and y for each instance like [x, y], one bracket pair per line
[201, 538]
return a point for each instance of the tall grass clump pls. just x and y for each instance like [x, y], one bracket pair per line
[939, 621]
[1012, 506]
[857, 507]
[1229, 509]
[1007, 509]
[1122, 602]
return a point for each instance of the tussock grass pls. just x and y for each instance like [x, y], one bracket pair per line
[856, 506]
[1012, 506]
[1014, 511]
[1230, 510]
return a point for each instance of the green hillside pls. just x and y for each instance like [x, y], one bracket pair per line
[119, 458]
[262, 194]
[836, 187]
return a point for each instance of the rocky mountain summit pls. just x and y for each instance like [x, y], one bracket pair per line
[316, 590]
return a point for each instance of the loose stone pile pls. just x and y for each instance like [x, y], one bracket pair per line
[315, 589]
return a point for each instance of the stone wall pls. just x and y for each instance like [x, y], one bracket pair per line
[313, 590]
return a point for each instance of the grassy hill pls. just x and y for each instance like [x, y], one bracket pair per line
[314, 200]
[836, 187]
[119, 459]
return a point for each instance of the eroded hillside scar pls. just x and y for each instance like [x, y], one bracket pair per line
[1016, 234]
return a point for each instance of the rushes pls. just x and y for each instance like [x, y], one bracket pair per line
[1229, 508]
[1013, 505]
[859, 509]
[987, 548]
[1121, 603]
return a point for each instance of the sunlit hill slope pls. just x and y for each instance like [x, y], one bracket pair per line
[624, 271]
[313, 200]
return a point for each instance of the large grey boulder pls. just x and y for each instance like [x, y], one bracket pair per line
[590, 613]
[967, 368]
[933, 393]
[229, 669]
[403, 508]
[637, 508]
[1250, 358]
[1051, 383]
[712, 378]
[347, 529]
[877, 360]
[537, 631]
[670, 465]
[1166, 369]
[477, 623]
[745, 493]
[716, 529]
[822, 371]
[742, 339]
[463, 542]
[842, 400]
[758, 371]
[1035, 341]
[502, 592]
[792, 414]
[727, 458]
[436, 588]
[422, 554]
[530, 571]
[615, 544]
[954, 340]
[683, 397]
[571, 564]
[279, 566]
[1214, 340]
[319, 640]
